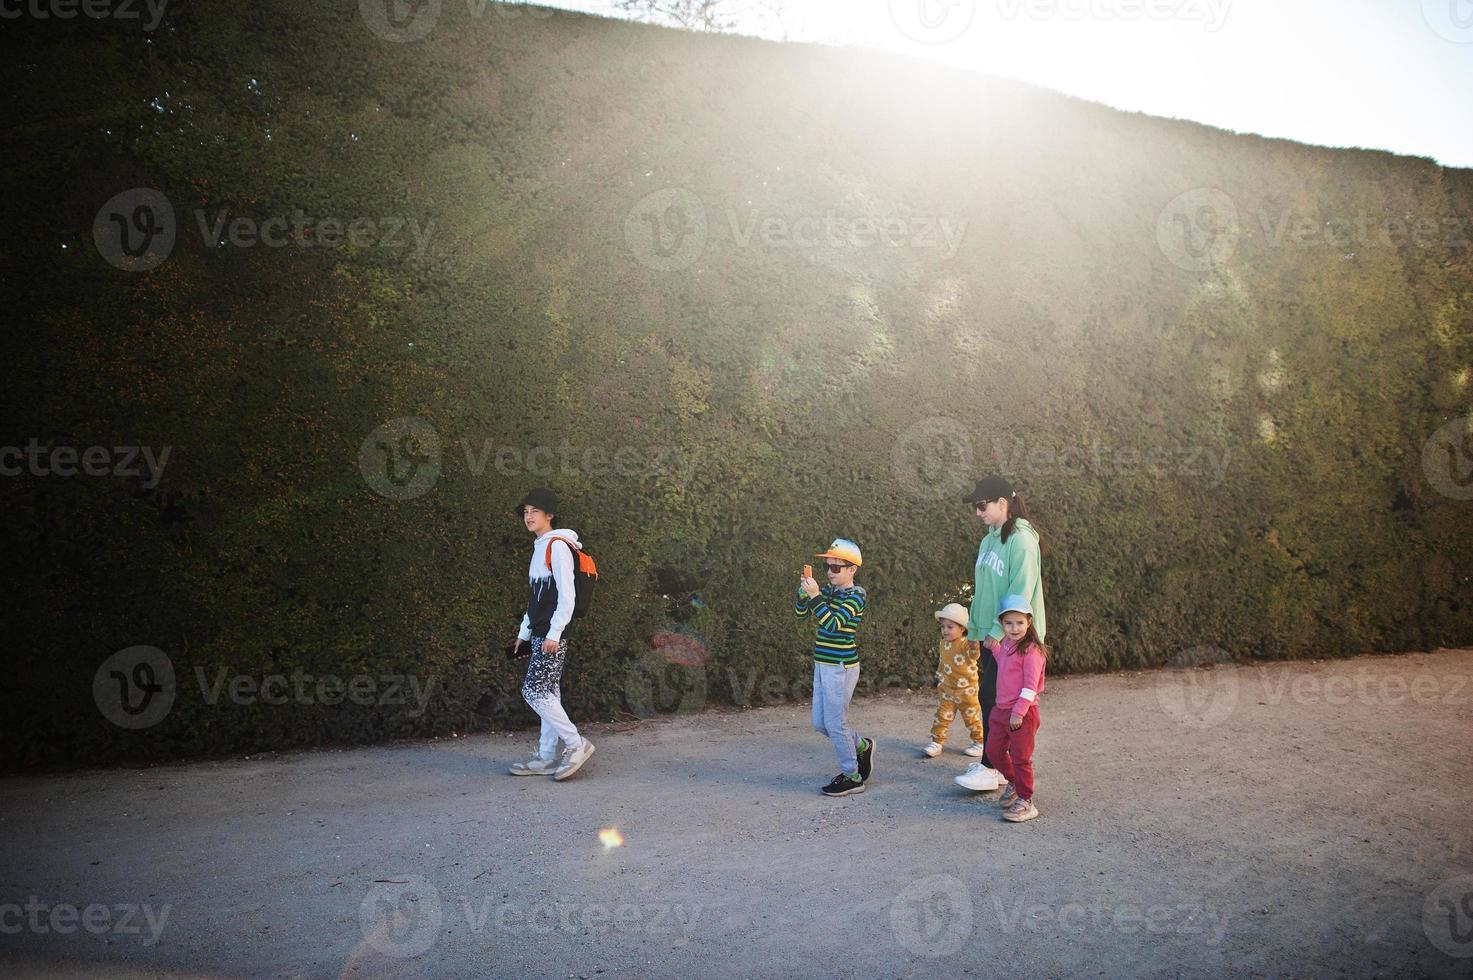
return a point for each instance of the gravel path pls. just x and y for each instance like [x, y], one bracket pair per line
[1305, 819]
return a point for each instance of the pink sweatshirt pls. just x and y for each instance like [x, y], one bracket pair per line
[1019, 677]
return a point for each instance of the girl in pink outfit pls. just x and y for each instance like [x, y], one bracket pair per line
[1014, 722]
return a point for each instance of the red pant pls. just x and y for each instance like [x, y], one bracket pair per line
[1010, 752]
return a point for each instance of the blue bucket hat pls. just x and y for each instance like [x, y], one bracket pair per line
[1014, 603]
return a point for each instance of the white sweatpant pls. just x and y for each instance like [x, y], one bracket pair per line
[541, 691]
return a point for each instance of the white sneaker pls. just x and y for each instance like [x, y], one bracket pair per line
[573, 759]
[975, 750]
[535, 766]
[979, 778]
[932, 749]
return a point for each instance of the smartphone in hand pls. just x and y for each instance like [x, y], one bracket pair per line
[808, 571]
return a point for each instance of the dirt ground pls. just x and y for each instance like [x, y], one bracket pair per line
[1305, 819]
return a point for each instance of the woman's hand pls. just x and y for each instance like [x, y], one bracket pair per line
[991, 642]
[549, 646]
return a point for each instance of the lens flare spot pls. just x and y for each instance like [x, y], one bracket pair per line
[610, 838]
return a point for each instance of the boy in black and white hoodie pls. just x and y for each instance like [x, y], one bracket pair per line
[549, 608]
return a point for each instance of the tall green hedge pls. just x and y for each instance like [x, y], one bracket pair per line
[1219, 427]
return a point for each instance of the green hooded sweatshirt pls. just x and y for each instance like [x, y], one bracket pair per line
[1003, 570]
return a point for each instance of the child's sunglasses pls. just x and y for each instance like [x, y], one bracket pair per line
[836, 569]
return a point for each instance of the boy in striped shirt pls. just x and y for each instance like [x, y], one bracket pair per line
[837, 609]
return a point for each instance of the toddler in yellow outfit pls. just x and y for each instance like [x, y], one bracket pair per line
[956, 675]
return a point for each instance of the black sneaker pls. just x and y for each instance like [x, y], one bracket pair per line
[866, 759]
[842, 785]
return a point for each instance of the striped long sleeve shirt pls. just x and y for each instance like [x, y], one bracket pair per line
[837, 613]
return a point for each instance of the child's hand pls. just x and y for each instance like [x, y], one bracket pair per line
[809, 586]
[974, 649]
[1015, 722]
[991, 642]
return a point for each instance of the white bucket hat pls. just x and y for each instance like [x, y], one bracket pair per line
[956, 612]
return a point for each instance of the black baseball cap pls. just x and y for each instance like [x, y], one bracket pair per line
[540, 497]
[989, 488]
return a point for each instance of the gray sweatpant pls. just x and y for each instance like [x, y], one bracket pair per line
[833, 686]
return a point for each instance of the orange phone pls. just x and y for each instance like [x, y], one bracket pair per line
[808, 571]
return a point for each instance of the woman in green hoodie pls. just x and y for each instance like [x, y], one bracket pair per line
[1007, 564]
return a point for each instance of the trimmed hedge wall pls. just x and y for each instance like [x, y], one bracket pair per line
[732, 299]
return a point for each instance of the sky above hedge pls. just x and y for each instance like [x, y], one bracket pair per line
[1344, 73]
